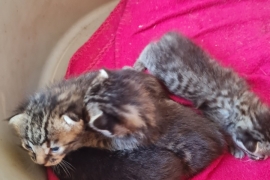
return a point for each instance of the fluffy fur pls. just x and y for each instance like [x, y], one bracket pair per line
[219, 92]
[151, 163]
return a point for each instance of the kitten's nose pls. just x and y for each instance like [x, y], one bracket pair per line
[40, 160]
[47, 164]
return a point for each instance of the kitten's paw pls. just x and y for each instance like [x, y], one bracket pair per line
[236, 152]
[138, 66]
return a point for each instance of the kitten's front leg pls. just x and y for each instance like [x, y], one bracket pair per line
[139, 66]
[233, 148]
[150, 55]
[237, 152]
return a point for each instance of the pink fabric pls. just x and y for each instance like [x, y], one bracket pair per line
[237, 33]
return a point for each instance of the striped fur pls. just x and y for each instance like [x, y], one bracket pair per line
[114, 110]
[41, 126]
[219, 92]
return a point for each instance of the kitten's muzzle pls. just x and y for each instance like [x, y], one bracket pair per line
[52, 162]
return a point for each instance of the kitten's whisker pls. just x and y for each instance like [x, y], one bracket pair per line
[58, 169]
[55, 169]
[69, 165]
[66, 169]
[65, 164]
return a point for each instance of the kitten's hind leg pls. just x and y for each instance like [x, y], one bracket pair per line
[146, 58]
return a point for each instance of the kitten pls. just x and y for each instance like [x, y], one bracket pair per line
[151, 163]
[219, 92]
[189, 143]
[114, 110]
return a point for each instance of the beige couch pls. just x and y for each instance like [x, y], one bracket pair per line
[37, 39]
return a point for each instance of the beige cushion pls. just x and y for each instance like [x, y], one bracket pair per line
[37, 40]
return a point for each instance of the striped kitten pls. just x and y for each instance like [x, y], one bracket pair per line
[219, 92]
[114, 110]
[188, 144]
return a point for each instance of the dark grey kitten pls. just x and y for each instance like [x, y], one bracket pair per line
[219, 92]
[188, 144]
[151, 163]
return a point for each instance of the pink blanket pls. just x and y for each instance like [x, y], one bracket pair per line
[237, 33]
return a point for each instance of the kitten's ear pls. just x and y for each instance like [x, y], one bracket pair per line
[102, 75]
[17, 120]
[96, 84]
[99, 122]
[108, 125]
[115, 124]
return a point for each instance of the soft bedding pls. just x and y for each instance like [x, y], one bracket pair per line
[237, 33]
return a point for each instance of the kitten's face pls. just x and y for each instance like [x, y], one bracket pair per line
[253, 134]
[48, 132]
[256, 148]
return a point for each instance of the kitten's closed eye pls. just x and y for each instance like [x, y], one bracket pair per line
[70, 119]
[28, 147]
[73, 116]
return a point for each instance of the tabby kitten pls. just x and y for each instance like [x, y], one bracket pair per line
[188, 144]
[219, 92]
